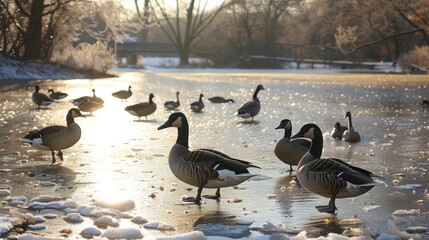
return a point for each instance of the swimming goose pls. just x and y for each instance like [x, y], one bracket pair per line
[89, 106]
[198, 106]
[170, 105]
[330, 177]
[338, 131]
[123, 94]
[56, 138]
[251, 108]
[40, 99]
[142, 109]
[94, 98]
[350, 135]
[218, 99]
[202, 168]
[56, 95]
[287, 150]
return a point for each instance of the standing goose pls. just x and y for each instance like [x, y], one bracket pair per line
[170, 105]
[123, 94]
[202, 168]
[350, 135]
[56, 95]
[218, 99]
[40, 99]
[338, 131]
[198, 106]
[94, 98]
[330, 177]
[142, 109]
[56, 138]
[287, 150]
[251, 108]
[88, 106]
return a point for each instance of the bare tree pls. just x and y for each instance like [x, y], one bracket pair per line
[383, 21]
[196, 18]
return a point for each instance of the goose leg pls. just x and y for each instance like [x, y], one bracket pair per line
[330, 208]
[60, 155]
[196, 200]
[291, 169]
[216, 196]
[53, 157]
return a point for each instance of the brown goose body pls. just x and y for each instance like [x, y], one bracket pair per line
[40, 99]
[56, 138]
[123, 94]
[142, 109]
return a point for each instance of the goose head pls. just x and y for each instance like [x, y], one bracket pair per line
[201, 97]
[348, 114]
[151, 96]
[230, 100]
[285, 124]
[337, 125]
[129, 88]
[36, 88]
[312, 132]
[72, 114]
[93, 92]
[50, 91]
[258, 88]
[176, 119]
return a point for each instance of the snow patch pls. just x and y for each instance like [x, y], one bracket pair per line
[194, 235]
[122, 233]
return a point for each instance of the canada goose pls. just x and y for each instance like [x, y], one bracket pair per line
[198, 106]
[94, 98]
[338, 131]
[330, 177]
[202, 168]
[287, 150]
[56, 95]
[142, 109]
[88, 106]
[251, 108]
[218, 99]
[123, 94]
[170, 105]
[56, 138]
[350, 135]
[40, 99]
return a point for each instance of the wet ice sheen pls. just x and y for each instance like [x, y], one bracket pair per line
[118, 158]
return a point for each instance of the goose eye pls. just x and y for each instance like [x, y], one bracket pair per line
[177, 123]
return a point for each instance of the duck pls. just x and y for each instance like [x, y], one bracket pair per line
[94, 98]
[198, 106]
[56, 95]
[350, 135]
[142, 109]
[330, 177]
[171, 105]
[203, 168]
[338, 131]
[287, 150]
[56, 138]
[89, 106]
[251, 108]
[123, 94]
[40, 99]
[218, 99]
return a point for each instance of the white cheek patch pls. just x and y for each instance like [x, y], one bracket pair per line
[288, 126]
[309, 133]
[177, 123]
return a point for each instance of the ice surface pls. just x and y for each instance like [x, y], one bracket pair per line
[223, 230]
[159, 226]
[5, 227]
[402, 234]
[194, 235]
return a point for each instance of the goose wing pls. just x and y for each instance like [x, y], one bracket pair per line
[249, 164]
[212, 161]
[251, 106]
[334, 170]
[43, 132]
[305, 142]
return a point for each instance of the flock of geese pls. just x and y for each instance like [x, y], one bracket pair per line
[207, 168]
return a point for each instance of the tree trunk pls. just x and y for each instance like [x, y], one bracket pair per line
[184, 57]
[33, 38]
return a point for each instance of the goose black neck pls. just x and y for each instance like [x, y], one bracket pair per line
[255, 95]
[288, 133]
[350, 121]
[150, 99]
[177, 97]
[183, 134]
[70, 119]
[201, 98]
[317, 144]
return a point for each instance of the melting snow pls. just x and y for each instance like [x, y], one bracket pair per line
[122, 233]
[223, 230]
[195, 235]
[404, 235]
[73, 218]
[121, 205]
[105, 221]
[90, 232]
[406, 212]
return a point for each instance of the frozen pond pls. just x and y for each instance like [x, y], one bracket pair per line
[120, 158]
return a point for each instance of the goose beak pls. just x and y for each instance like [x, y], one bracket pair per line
[278, 127]
[165, 125]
